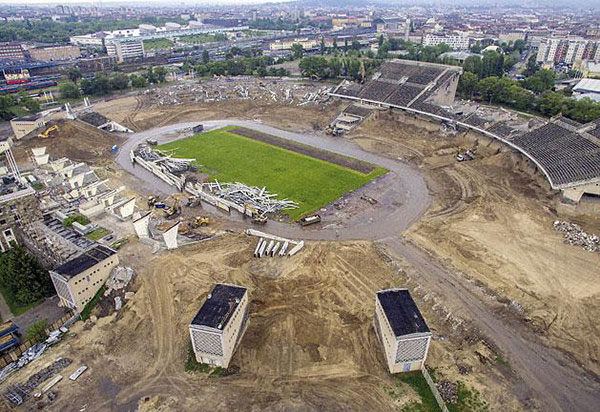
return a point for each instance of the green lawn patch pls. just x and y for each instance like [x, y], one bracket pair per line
[98, 234]
[76, 218]
[192, 365]
[311, 182]
[203, 38]
[87, 310]
[469, 399]
[416, 381]
[14, 307]
[154, 44]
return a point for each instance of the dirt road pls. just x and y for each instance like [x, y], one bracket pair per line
[547, 375]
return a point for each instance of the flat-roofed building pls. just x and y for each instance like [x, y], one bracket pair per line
[52, 53]
[77, 281]
[22, 126]
[219, 325]
[125, 50]
[401, 329]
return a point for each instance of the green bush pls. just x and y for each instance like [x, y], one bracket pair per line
[76, 218]
[37, 331]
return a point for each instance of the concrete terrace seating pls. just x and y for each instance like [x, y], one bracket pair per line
[425, 75]
[397, 71]
[403, 95]
[501, 129]
[566, 156]
[377, 91]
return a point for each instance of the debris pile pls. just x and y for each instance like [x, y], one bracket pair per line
[157, 157]
[270, 245]
[119, 278]
[574, 235]
[17, 394]
[448, 391]
[217, 89]
[249, 197]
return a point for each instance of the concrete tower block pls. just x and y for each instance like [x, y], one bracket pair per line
[76, 181]
[170, 236]
[38, 151]
[127, 209]
[42, 160]
[141, 226]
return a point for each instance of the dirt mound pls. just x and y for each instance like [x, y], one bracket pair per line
[76, 140]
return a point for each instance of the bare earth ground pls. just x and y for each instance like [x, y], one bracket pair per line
[310, 344]
[493, 221]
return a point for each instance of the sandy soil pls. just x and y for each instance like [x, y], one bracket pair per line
[492, 220]
[310, 344]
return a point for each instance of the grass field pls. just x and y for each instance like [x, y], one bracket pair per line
[154, 44]
[311, 182]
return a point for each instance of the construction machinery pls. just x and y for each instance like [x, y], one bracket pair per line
[52, 131]
[257, 217]
[203, 220]
[310, 220]
[174, 209]
[464, 155]
[152, 200]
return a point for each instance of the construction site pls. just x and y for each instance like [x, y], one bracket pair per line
[501, 267]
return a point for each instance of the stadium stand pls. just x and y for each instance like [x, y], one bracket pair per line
[501, 129]
[377, 91]
[403, 95]
[426, 75]
[566, 156]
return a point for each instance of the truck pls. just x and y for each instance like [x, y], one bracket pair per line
[310, 220]
[198, 128]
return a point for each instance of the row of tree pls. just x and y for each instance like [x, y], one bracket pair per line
[11, 105]
[23, 278]
[533, 95]
[318, 67]
[242, 66]
[49, 31]
[101, 84]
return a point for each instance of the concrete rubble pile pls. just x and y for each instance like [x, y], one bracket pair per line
[271, 245]
[574, 235]
[254, 197]
[448, 391]
[17, 394]
[119, 278]
[168, 169]
[283, 91]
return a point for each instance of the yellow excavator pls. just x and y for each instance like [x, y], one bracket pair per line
[52, 131]
[175, 208]
[203, 220]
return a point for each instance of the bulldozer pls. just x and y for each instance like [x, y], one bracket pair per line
[175, 208]
[52, 131]
[257, 218]
[203, 220]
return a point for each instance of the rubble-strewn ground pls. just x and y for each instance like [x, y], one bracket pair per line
[494, 221]
[310, 343]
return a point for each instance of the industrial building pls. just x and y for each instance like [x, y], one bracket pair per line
[455, 41]
[401, 329]
[125, 50]
[22, 126]
[219, 325]
[12, 51]
[54, 53]
[77, 281]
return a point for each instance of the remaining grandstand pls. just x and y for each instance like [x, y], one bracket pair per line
[403, 83]
[565, 151]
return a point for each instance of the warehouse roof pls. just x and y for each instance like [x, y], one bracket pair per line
[588, 85]
[402, 312]
[84, 261]
[220, 305]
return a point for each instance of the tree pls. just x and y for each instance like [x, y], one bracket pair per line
[23, 277]
[119, 82]
[161, 74]
[467, 84]
[138, 81]
[314, 67]
[74, 74]
[32, 105]
[543, 80]
[37, 331]
[297, 51]
[205, 56]
[380, 40]
[550, 103]
[6, 103]
[69, 90]
[532, 66]
[322, 47]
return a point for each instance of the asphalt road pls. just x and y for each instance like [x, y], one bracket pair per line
[547, 375]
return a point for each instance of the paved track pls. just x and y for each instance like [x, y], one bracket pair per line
[547, 375]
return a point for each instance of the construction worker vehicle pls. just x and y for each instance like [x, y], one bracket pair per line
[203, 220]
[52, 131]
[310, 220]
[465, 155]
[151, 142]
